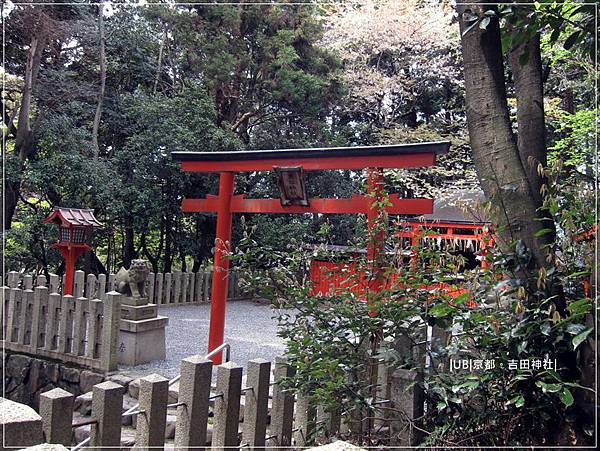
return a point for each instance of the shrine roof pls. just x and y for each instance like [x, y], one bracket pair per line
[439, 147]
[74, 216]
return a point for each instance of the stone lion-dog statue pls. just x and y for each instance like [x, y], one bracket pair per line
[132, 282]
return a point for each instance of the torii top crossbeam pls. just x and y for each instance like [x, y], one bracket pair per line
[374, 158]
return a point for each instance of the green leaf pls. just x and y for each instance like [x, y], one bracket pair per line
[484, 23]
[441, 310]
[506, 46]
[549, 388]
[545, 328]
[580, 338]
[575, 329]
[543, 232]
[580, 306]
[566, 397]
[519, 38]
[571, 40]
[519, 401]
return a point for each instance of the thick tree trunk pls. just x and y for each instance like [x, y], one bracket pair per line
[495, 152]
[526, 65]
[102, 52]
[24, 134]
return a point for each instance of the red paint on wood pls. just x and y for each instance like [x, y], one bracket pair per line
[221, 264]
[331, 278]
[70, 253]
[355, 204]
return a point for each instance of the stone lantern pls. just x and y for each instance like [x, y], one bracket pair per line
[75, 227]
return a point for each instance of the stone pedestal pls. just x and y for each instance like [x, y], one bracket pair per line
[142, 332]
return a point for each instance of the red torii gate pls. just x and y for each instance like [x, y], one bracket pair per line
[227, 164]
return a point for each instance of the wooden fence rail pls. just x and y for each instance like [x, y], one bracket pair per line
[77, 330]
[176, 288]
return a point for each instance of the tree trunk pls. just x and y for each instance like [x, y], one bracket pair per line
[160, 58]
[495, 152]
[12, 189]
[531, 126]
[24, 135]
[153, 259]
[526, 64]
[168, 245]
[98, 114]
[129, 244]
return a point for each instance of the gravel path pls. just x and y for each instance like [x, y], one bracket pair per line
[249, 329]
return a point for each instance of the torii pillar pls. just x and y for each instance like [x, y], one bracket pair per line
[221, 261]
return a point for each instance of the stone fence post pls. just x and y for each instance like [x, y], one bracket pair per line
[256, 406]
[227, 406]
[56, 409]
[107, 402]
[192, 413]
[152, 419]
[282, 412]
[110, 330]
[305, 421]
[407, 396]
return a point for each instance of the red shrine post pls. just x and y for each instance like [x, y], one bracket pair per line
[290, 165]
[75, 227]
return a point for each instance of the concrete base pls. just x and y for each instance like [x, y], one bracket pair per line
[142, 341]
[138, 312]
[127, 300]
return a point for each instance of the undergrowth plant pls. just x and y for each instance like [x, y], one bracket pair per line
[522, 332]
